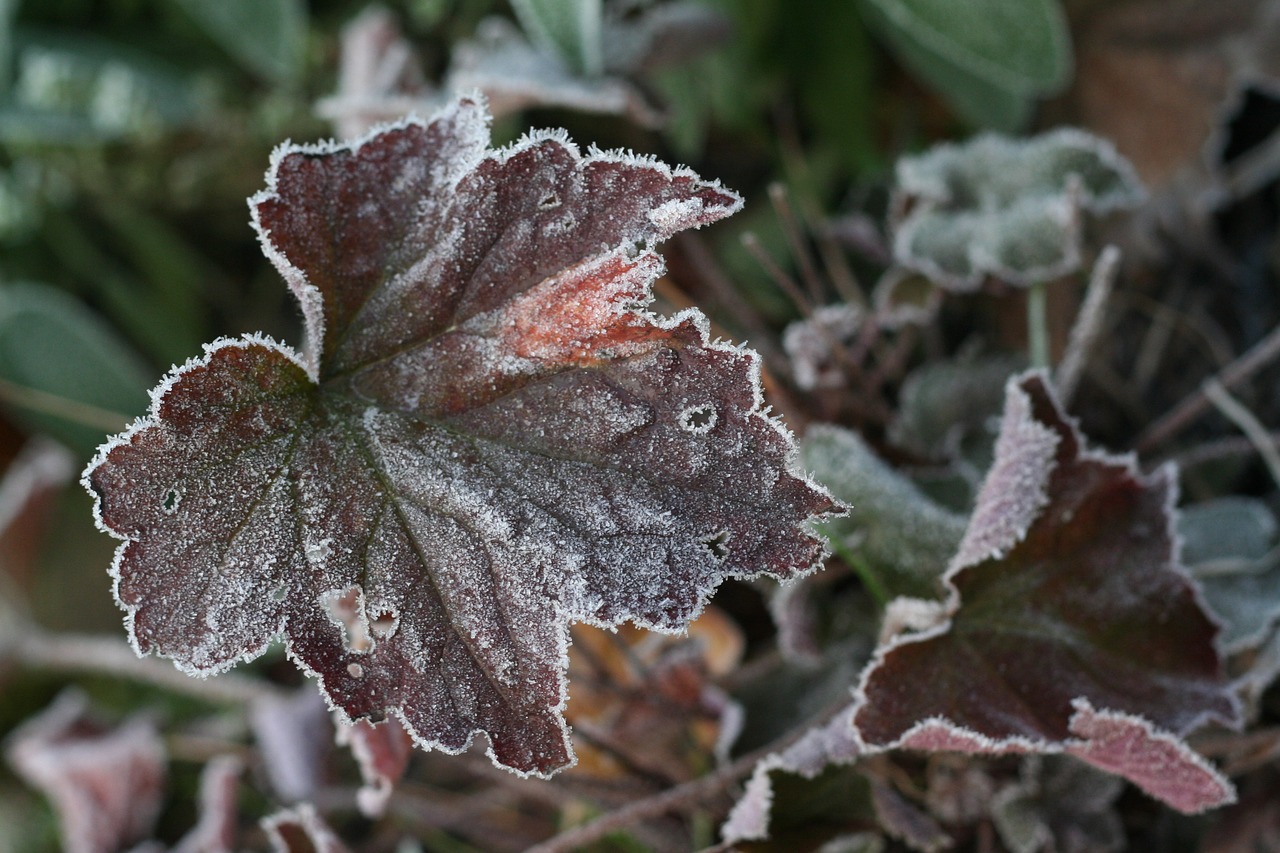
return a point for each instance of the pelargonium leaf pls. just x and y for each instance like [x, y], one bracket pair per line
[487, 438]
[1066, 596]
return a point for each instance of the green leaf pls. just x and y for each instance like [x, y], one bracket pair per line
[1020, 46]
[975, 99]
[571, 29]
[64, 371]
[267, 37]
[905, 538]
[1006, 208]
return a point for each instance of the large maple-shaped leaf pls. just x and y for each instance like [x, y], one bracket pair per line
[486, 438]
[1066, 596]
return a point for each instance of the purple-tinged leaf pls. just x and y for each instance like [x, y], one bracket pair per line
[488, 437]
[382, 751]
[1066, 590]
[106, 785]
[215, 829]
[1158, 762]
[301, 830]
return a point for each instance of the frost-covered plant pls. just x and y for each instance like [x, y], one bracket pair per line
[1003, 208]
[485, 437]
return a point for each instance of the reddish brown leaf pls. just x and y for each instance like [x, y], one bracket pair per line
[1066, 590]
[301, 830]
[107, 785]
[488, 437]
[382, 750]
[215, 830]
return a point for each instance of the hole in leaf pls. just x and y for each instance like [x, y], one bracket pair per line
[355, 670]
[699, 420]
[717, 544]
[384, 623]
[549, 202]
[171, 500]
[346, 609]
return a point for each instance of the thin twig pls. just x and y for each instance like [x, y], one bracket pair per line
[785, 282]
[1088, 324]
[103, 655]
[1223, 448]
[793, 229]
[1197, 403]
[1248, 423]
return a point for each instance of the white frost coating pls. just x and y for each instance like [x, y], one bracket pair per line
[470, 119]
[1015, 490]
[675, 215]
[304, 816]
[152, 418]
[1157, 761]
[821, 746]
[700, 419]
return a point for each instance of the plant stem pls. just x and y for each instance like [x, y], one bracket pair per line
[1037, 325]
[874, 585]
[101, 655]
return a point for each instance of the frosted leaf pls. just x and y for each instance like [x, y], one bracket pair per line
[1232, 546]
[907, 538]
[515, 75]
[215, 830]
[812, 345]
[1066, 590]
[481, 443]
[301, 830]
[813, 791]
[106, 785]
[1006, 208]
[382, 751]
[1059, 805]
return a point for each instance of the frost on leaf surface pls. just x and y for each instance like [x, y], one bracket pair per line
[1066, 597]
[1006, 208]
[482, 442]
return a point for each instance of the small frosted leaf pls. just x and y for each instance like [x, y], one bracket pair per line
[382, 752]
[106, 785]
[1059, 804]
[215, 830]
[1158, 762]
[488, 437]
[812, 345]
[1232, 546]
[301, 830]
[1004, 208]
[944, 407]
[811, 791]
[1067, 587]
[906, 537]
[515, 75]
